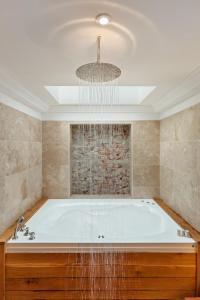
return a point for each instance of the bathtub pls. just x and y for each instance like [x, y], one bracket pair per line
[102, 249]
[117, 224]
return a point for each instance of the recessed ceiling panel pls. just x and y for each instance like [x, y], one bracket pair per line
[128, 95]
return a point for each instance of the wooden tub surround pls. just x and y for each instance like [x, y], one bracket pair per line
[95, 276]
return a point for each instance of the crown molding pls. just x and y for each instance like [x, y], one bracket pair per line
[100, 109]
[187, 89]
[180, 107]
[4, 99]
[99, 114]
[11, 88]
[99, 117]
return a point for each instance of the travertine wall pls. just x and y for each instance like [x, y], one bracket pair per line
[146, 159]
[56, 147]
[20, 163]
[180, 163]
[172, 165]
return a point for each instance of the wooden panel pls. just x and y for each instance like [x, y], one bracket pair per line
[150, 259]
[28, 271]
[198, 271]
[73, 295]
[2, 271]
[69, 284]
[96, 276]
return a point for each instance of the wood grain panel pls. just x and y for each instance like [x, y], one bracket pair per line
[74, 295]
[69, 284]
[2, 271]
[96, 276]
[14, 271]
[198, 271]
[67, 259]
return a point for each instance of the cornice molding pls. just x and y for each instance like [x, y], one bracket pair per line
[19, 106]
[180, 107]
[99, 117]
[14, 90]
[101, 109]
[188, 88]
[98, 114]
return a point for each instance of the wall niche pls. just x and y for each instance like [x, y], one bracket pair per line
[100, 159]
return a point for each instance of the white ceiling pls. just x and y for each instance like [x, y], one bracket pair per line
[154, 42]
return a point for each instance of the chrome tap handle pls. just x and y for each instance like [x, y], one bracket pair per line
[23, 227]
[32, 235]
[26, 233]
[19, 225]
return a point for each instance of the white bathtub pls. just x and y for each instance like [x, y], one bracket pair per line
[139, 224]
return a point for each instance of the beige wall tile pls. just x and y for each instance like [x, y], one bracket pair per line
[146, 153]
[145, 159]
[56, 154]
[146, 131]
[16, 124]
[167, 157]
[3, 147]
[17, 156]
[35, 154]
[180, 163]
[55, 181]
[187, 124]
[16, 191]
[185, 156]
[168, 130]
[35, 130]
[20, 149]
[145, 192]
[55, 132]
[56, 149]
[2, 123]
[146, 176]
[166, 183]
[34, 183]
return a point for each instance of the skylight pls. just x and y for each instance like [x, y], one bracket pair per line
[128, 95]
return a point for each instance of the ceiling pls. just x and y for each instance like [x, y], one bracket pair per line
[154, 42]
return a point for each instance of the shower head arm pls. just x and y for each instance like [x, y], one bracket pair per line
[99, 49]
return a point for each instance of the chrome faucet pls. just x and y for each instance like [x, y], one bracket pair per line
[19, 227]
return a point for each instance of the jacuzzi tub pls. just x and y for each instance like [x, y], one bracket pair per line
[131, 224]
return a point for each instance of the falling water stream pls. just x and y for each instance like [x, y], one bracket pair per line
[100, 166]
[100, 274]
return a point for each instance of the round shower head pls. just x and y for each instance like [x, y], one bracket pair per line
[98, 71]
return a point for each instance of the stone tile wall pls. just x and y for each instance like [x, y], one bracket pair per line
[165, 154]
[146, 159]
[180, 163]
[56, 147]
[20, 163]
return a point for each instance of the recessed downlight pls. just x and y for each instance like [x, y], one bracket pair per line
[103, 19]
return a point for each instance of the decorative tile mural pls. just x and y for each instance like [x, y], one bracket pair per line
[100, 159]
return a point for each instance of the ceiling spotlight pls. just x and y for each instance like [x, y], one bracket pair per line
[103, 19]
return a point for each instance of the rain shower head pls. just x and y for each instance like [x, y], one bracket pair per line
[98, 71]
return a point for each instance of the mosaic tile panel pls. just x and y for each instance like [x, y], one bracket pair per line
[101, 160]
